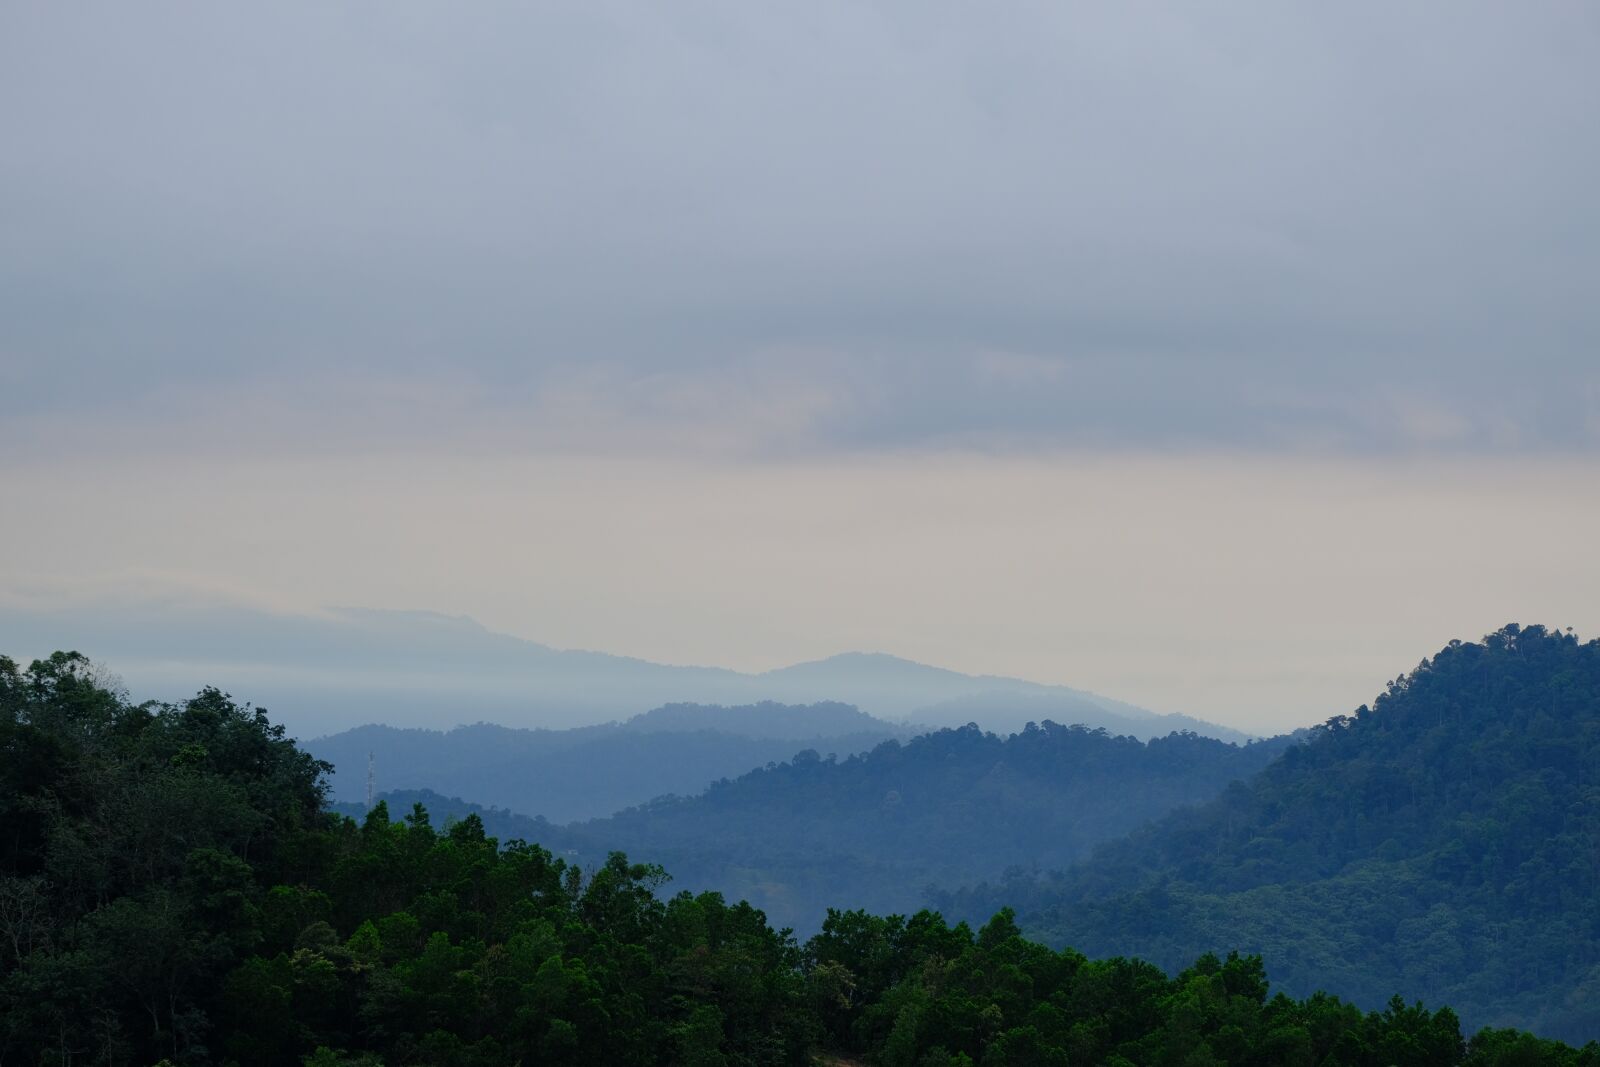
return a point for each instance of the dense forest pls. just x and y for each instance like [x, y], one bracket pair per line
[592, 771]
[502, 823]
[1445, 841]
[946, 809]
[172, 889]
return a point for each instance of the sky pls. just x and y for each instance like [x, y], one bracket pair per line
[1222, 359]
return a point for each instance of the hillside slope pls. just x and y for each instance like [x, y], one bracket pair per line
[947, 808]
[592, 771]
[1444, 841]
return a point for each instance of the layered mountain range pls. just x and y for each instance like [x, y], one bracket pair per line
[173, 890]
[1443, 841]
[591, 771]
[341, 668]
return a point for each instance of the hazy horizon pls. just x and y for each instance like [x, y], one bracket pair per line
[1222, 363]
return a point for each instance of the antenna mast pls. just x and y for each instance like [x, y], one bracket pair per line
[371, 776]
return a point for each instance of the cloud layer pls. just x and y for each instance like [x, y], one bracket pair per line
[712, 226]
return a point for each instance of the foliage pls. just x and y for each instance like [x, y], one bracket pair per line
[171, 890]
[497, 822]
[947, 808]
[1445, 841]
[919, 993]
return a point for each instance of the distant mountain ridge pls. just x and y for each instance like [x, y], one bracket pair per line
[1006, 712]
[345, 667]
[946, 808]
[591, 771]
[768, 719]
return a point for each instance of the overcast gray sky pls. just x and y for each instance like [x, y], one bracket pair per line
[1211, 356]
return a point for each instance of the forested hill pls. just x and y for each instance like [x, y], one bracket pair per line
[171, 891]
[1445, 840]
[948, 808]
[591, 771]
